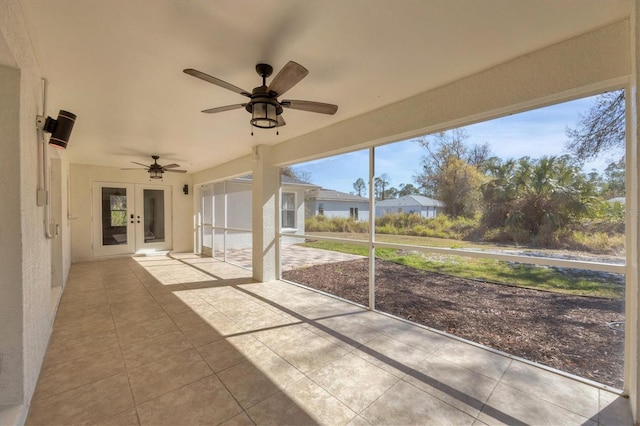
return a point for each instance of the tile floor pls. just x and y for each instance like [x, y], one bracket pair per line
[185, 340]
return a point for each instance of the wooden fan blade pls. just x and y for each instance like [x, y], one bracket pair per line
[140, 164]
[281, 121]
[310, 106]
[223, 108]
[171, 166]
[175, 171]
[288, 77]
[134, 168]
[216, 81]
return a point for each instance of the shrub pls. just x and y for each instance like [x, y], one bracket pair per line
[334, 224]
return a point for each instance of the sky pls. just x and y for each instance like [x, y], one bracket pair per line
[534, 133]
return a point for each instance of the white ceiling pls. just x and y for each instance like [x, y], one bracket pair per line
[118, 64]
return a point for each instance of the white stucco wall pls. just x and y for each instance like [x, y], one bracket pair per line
[82, 178]
[25, 290]
[426, 212]
[10, 234]
[341, 208]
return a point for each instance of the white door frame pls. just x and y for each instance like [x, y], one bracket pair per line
[141, 234]
[135, 232]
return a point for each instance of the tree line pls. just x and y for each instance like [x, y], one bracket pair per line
[525, 193]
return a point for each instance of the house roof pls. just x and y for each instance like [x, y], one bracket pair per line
[284, 180]
[410, 200]
[332, 195]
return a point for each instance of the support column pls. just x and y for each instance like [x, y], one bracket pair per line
[632, 340]
[265, 209]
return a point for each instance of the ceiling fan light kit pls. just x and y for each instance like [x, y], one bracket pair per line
[264, 107]
[155, 170]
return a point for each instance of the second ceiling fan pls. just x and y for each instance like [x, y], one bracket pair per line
[264, 106]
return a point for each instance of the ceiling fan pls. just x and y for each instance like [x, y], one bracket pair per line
[265, 109]
[155, 170]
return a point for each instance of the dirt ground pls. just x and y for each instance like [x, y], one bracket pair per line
[580, 335]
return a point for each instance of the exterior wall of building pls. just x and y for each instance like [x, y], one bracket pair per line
[82, 178]
[424, 211]
[237, 215]
[26, 296]
[332, 208]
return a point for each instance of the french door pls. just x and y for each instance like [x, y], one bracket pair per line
[130, 218]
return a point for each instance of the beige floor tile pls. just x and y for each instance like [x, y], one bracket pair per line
[82, 285]
[138, 315]
[565, 392]
[392, 355]
[160, 377]
[126, 418]
[457, 386]
[87, 404]
[404, 404]
[171, 304]
[228, 352]
[154, 348]
[133, 333]
[78, 305]
[71, 317]
[347, 330]
[240, 420]
[310, 352]
[64, 350]
[280, 335]
[614, 410]
[474, 358]
[128, 307]
[201, 333]
[354, 381]
[302, 403]
[206, 401]
[126, 296]
[358, 421]
[94, 322]
[509, 406]
[151, 311]
[88, 298]
[426, 340]
[255, 380]
[61, 377]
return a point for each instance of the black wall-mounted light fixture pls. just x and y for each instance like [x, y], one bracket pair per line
[60, 129]
[185, 189]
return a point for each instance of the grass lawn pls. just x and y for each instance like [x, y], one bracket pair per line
[522, 275]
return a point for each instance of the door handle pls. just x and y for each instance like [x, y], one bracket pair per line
[138, 219]
[131, 218]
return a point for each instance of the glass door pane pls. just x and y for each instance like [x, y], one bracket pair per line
[153, 215]
[153, 218]
[114, 222]
[114, 216]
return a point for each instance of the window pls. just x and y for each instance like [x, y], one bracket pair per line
[353, 213]
[118, 207]
[321, 209]
[288, 210]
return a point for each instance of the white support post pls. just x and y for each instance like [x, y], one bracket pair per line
[372, 231]
[265, 206]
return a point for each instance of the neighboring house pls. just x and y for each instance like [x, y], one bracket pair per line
[236, 215]
[424, 206]
[330, 203]
[621, 200]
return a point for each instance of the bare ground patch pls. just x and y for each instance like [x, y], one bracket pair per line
[567, 332]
